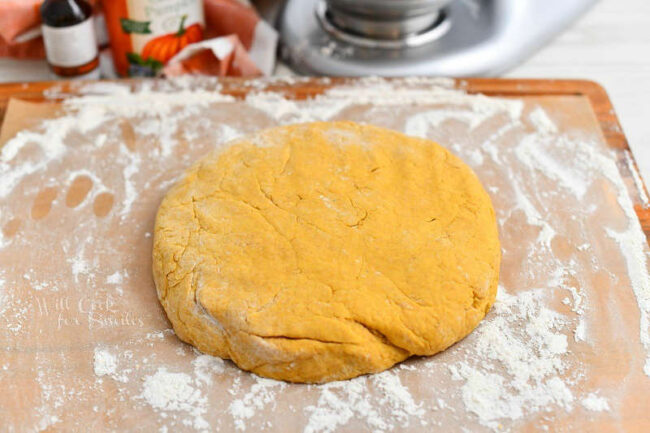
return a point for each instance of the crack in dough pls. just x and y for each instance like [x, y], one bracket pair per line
[310, 259]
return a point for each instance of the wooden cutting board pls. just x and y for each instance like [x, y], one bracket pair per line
[84, 344]
[596, 94]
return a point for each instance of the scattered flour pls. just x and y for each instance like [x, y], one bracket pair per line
[518, 361]
[338, 403]
[261, 394]
[546, 156]
[519, 357]
[130, 191]
[105, 363]
[534, 217]
[3, 297]
[99, 108]
[116, 277]
[643, 195]
[542, 122]
[595, 403]
[45, 422]
[79, 265]
[50, 142]
[390, 406]
[631, 243]
[420, 123]
[397, 398]
[14, 311]
[379, 92]
[206, 366]
[580, 333]
[168, 392]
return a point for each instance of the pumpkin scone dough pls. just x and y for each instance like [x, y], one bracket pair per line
[323, 251]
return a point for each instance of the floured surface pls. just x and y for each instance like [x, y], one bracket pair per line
[85, 342]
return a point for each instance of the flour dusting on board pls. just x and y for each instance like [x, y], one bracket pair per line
[595, 403]
[532, 376]
[389, 406]
[525, 361]
[105, 362]
[261, 394]
[170, 393]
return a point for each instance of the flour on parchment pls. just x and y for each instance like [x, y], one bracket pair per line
[515, 365]
[262, 394]
[105, 362]
[390, 406]
[171, 393]
[3, 296]
[522, 353]
[595, 403]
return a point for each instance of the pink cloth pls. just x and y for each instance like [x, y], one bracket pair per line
[239, 43]
[223, 56]
[226, 17]
[16, 17]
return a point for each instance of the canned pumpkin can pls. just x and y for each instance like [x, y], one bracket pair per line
[145, 34]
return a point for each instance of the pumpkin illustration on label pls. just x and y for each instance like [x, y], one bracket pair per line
[145, 34]
[167, 46]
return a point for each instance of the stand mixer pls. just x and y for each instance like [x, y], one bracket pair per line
[419, 37]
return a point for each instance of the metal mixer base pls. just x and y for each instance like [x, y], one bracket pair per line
[468, 38]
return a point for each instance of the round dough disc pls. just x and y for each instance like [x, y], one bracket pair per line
[323, 251]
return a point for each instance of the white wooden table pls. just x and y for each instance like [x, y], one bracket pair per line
[610, 45]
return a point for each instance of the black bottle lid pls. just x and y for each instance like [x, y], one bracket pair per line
[65, 13]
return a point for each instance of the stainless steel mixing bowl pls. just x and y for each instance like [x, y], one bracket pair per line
[393, 9]
[391, 24]
[384, 19]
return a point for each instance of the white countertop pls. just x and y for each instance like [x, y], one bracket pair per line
[610, 44]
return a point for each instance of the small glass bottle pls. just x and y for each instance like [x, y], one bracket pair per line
[69, 37]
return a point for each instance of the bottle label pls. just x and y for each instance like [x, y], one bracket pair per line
[70, 46]
[149, 19]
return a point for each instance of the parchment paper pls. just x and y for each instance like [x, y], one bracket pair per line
[75, 261]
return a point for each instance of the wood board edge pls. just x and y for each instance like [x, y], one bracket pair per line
[304, 87]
